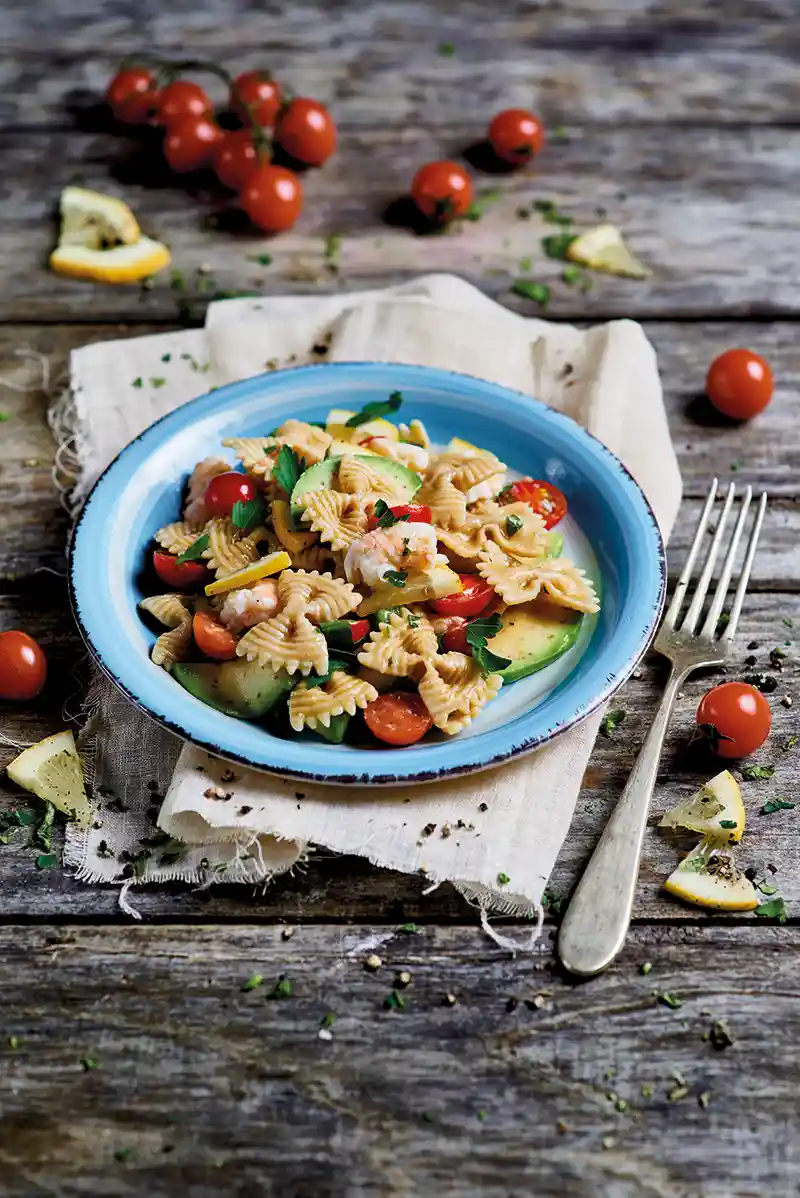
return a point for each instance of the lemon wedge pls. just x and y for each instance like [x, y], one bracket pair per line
[273, 563]
[709, 878]
[51, 769]
[602, 248]
[716, 810]
[122, 264]
[96, 221]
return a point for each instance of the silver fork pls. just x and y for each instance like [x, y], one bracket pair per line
[596, 922]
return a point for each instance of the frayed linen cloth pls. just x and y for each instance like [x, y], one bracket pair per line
[506, 823]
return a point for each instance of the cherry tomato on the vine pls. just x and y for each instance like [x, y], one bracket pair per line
[474, 596]
[442, 190]
[739, 384]
[180, 99]
[398, 718]
[191, 143]
[23, 666]
[413, 513]
[541, 496]
[306, 130]
[258, 93]
[516, 135]
[236, 159]
[132, 95]
[212, 637]
[735, 717]
[181, 576]
[226, 489]
[272, 197]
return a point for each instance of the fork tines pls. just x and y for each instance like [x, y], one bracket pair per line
[690, 620]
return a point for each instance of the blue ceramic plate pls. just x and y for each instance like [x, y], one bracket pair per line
[610, 531]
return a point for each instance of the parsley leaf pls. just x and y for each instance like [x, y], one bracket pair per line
[731, 823]
[478, 632]
[253, 982]
[611, 721]
[282, 988]
[394, 1002]
[554, 900]
[790, 743]
[195, 550]
[555, 245]
[446, 49]
[571, 275]
[774, 909]
[408, 929]
[261, 259]
[503, 879]
[670, 1000]
[385, 516]
[396, 578]
[378, 407]
[538, 292]
[477, 208]
[754, 772]
[46, 861]
[247, 515]
[43, 833]
[513, 525]
[776, 805]
[288, 468]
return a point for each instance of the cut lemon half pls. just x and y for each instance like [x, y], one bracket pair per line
[96, 221]
[122, 264]
[273, 563]
[716, 810]
[602, 248]
[51, 770]
[708, 877]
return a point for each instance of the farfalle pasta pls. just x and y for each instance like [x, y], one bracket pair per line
[353, 582]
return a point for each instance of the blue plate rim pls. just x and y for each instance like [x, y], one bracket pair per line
[229, 393]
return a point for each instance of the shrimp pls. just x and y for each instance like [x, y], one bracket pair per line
[249, 605]
[405, 546]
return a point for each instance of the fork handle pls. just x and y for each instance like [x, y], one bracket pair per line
[596, 923]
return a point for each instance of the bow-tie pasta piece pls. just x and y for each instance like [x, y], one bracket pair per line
[288, 641]
[228, 549]
[454, 690]
[356, 476]
[311, 706]
[170, 610]
[339, 519]
[562, 581]
[319, 596]
[514, 528]
[176, 537]
[308, 441]
[173, 645]
[415, 457]
[321, 558]
[399, 647]
[448, 505]
[254, 454]
[195, 511]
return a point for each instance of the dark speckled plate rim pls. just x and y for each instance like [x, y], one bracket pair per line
[525, 747]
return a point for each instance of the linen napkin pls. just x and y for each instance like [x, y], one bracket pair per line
[507, 822]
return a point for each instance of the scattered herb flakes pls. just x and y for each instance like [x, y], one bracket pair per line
[553, 900]
[43, 833]
[385, 516]
[774, 909]
[762, 682]
[645, 967]
[333, 249]
[288, 468]
[177, 280]
[481, 1115]
[4, 417]
[611, 722]
[678, 1092]
[246, 516]
[720, 1034]
[478, 207]
[646, 1091]
[14, 1042]
[380, 407]
[513, 525]
[396, 578]
[253, 982]
[158, 382]
[446, 50]
[166, 357]
[622, 1105]
[139, 382]
[327, 1020]
[503, 879]
[555, 245]
[90, 1063]
[788, 622]
[282, 988]
[755, 773]
[526, 265]
[195, 550]
[571, 275]
[261, 259]
[394, 1002]
[408, 929]
[122, 1154]
[766, 887]
[789, 743]
[539, 293]
[666, 999]
[773, 805]
[727, 823]
[723, 621]
[46, 861]
[478, 632]
[735, 466]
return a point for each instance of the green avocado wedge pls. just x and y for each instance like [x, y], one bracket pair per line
[555, 543]
[320, 477]
[533, 636]
[240, 688]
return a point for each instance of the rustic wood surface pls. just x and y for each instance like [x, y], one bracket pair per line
[683, 127]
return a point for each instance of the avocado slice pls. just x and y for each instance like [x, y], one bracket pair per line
[555, 543]
[334, 733]
[339, 633]
[533, 636]
[240, 688]
[320, 476]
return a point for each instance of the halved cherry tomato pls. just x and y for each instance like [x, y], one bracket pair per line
[212, 637]
[359, 630]
[398, 718]
[180, 99]
[545, 499]
[23, 665]
[739, 384]
[272, 197]
[454, 637]
[735, 717]
[236, 159]
[306, 130]
[132, 95]
[415, 513]
[474, 596]
[191, 143]
[258, 92]
[442, 190]
[226, 489]
[181, 576]
[516, 135]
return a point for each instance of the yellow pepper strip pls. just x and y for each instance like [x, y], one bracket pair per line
[273, 563]
[295, 542]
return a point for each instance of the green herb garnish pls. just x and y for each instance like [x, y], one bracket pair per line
[195, 550]
[645, 967]
[379, 407]
[333, 246]
[43, 835]
[288, 468]
[408, 929]
[385, 516]
[253, 982]
[122, 1154]
[774, 909]
[670, 1000]
[554, 900]
[728, 823]
[611, 722]
[503, 879]
[394, 1002]
[446, 49]
[776, 805]
[478, 632]
[138, 382]
[513, 525]
[538, 292]
[755, 772]
[166, 357]
[90, 1063]
[328, 1019]
[571, 275]
[247, 515]
[555, 245]
[766, 887]
[789, 623]
[477, 209]
[334, 664]
[282, 988]
[46, 861]
[159, 382]
[396, 578]
[261, 259]
[789, 743]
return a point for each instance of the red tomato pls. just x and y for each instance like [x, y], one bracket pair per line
[418, 513]
[181, 576]
[236, 159]
[225, 490]
[739, 384]
[258, 92]
[442, 191]
[272, 197]
[516, 135]
[132, 95]
[23, 666]
[213, 638]
[474, 596]
[454, 637]
[360, 630]
[736, 718]
[306, 131]
[398, 718]
[191, 143]
[545, 499]
[180, 99]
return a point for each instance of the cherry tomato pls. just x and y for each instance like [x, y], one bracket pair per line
[474, 596]
[454, 637]
[442, 191]
[132, 95]
[236, 159]
[181, 576]
[212, 637]
[739, 383]
[226, 489]
[258, 92]
[272, 197]
[417, 513]
[306, 130]
[360, 630]
[23, 666]
[398, 718]
[191, 143]
[516, 135]
[736, 718]
[180, 99]
[544, 499]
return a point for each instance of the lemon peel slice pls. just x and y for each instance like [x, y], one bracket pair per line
[123, 264]
[96, 221]
[603, 248]
[273, 563]
[51, 770]
[708, 877]
[715, 810]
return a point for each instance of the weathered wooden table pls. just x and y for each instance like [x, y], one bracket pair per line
[684, 128]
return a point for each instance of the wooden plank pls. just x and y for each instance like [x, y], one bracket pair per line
[189, 1084]
[702, 210]
[635, 61]
[348, 888]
